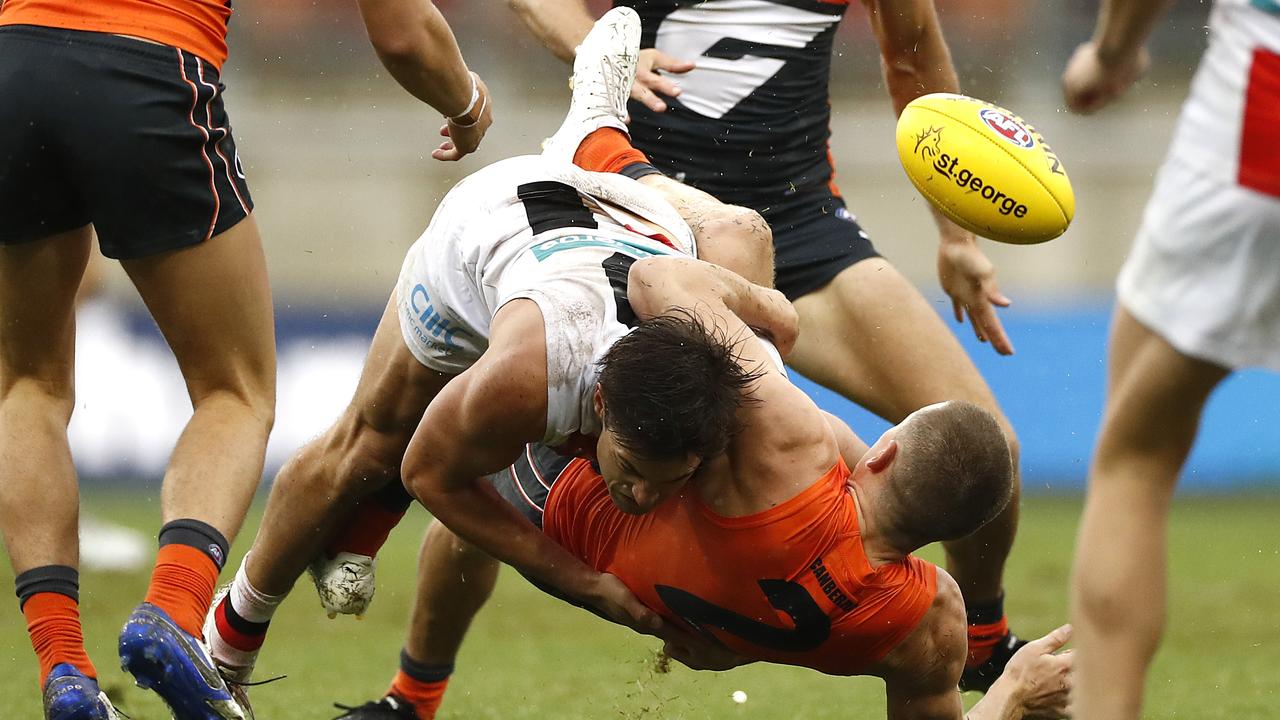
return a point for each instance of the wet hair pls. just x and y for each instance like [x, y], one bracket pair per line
[672, 387]
[953, 473]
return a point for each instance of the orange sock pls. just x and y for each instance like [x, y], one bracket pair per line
[983, 640]
[425, 696]
[182, 585]
[53, 622]
[607, 150]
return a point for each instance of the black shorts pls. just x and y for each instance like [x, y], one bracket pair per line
[125, 134]
[814, 239]
[527, 483]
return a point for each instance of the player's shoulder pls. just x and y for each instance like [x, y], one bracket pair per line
[933, 655]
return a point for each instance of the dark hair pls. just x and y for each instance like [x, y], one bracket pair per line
[673, 387]
[953, 473]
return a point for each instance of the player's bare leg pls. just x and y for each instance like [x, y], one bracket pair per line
[454, 582]
[358, 454]
[1155, 397]
[39, 498]
[870, 336]
[730, 236]
[320, 484]
[212, 302]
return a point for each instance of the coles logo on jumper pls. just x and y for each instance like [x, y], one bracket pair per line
[1011, 129]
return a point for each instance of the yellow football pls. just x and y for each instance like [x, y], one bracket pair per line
[985, 168]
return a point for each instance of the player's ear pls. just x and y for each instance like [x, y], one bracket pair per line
[597, 400]
[880, 457]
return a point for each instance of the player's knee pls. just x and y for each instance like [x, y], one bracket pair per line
[40, 397]
[243, 406]
[367, 457]
[748, 241]
[749, 228]
[1112, 609]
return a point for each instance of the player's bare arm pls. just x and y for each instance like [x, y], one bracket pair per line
[658, 284]
[921, 673]
[561, 24]
[479, 424]
[1103, 68]
[785, 440]
[916, 61]
[415, 44]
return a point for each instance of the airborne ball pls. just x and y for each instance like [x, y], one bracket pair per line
[985, 168]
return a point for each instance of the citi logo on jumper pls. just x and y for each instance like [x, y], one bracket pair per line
[949, 167]
[1009, 129]
[431, 321]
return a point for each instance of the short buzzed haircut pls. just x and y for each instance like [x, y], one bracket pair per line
[953, 473]
[673, 386]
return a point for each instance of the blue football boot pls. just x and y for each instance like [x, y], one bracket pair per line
[72, 695]
[163, 657]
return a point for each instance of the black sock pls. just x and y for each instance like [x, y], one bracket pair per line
[61, 579]
[637, 170]
[421, 672]
[199, 535]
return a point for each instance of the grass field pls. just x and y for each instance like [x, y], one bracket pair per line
[530, 657]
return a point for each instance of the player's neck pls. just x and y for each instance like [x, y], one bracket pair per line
[880, 543]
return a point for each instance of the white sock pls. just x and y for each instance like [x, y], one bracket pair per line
[249, 602]
[251, 605]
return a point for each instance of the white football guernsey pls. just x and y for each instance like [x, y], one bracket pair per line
[528, 227]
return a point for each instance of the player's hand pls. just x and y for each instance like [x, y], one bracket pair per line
[616, 601]
[969, 278]
[650, 83]
[1092, 80]
[697, 652]
[1042, 680]
[464, 133]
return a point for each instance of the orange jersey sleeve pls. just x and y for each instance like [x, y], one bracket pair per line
[790, 585]
[197, 26]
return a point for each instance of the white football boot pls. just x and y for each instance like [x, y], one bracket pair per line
[603, 73]
[345, 583]
[235, 665]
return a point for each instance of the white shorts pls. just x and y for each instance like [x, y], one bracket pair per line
[1204, 271]
[487, 244]
[430, 310]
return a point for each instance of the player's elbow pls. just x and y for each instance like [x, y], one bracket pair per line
[395, 46]
[418, 481]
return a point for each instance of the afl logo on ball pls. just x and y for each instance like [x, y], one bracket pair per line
[1009, 129]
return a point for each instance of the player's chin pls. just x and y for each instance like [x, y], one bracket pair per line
[626, 504]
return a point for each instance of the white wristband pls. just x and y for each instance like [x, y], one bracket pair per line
[475, 97]
[475, 122]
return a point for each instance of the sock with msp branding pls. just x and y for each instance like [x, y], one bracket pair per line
[610, 150]
[372, 521]
[49, 597]
[421, 685]
[241, 620]
[987, 627]
[191, 556]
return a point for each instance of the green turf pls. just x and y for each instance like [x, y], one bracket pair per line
[530, 657]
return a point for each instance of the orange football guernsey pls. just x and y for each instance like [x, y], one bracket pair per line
[789, 585]
[197, 26]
